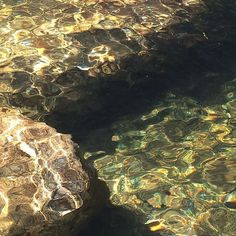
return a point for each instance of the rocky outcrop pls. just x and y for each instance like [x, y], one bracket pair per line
[41, 181]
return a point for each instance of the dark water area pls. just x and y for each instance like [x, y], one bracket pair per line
[154, 121]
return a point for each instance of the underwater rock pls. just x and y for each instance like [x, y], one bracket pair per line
[76, 53]
[230, 200]
[172, 165]
[216, 221]
[42, 184]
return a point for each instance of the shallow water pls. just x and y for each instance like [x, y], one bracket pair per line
[174, 165]
[148, 90]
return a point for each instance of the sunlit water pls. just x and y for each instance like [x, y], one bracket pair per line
[164, 141]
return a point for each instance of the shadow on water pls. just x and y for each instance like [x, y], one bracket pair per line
[189, 58]
[179, 62]
[115, 220]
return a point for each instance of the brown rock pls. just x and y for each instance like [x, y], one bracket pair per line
[40, 179]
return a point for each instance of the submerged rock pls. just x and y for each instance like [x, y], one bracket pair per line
[41, 181]
[230, 200]
[68, 55]
[173, 166]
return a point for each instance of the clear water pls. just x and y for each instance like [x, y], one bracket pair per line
[147, 89]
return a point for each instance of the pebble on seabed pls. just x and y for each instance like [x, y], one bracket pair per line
[230, 200]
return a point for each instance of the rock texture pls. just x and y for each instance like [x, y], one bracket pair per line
[40, 179]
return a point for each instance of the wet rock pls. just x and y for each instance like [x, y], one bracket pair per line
[230, 200]
[42, 184]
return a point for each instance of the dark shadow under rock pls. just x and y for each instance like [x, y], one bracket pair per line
[116, 221]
